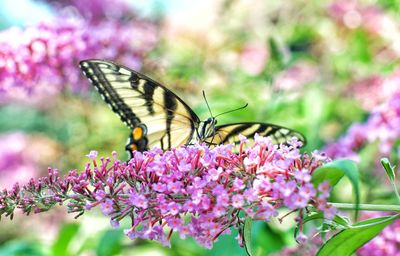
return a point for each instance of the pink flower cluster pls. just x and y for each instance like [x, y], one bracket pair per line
[296, 77]
[16, 165]
[354, 14]
[253, 58]
[192, 190]
[43, 59]
[382, 126]
[373, 19]
[376, 89]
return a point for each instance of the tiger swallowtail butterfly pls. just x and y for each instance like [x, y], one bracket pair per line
[157, 117]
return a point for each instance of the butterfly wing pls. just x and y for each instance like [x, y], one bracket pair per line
[229, 133]
[155, 114]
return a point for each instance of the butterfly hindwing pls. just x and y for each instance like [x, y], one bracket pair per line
[155, 114]
[229, 133]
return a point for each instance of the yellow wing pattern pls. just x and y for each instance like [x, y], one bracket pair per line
[155, 114]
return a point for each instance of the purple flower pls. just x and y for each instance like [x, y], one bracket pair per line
[303, 175]
[137, 200]
[381, 126]
[114, 223]
[183, 197]
[243, 139]
[174, 208]
[107, 207]
[92, 154]
[237, 201]
[301, 238]
[175, 187]
[100, 195]
[215, 173]
[250, 195]
[219, 210]
[238, 184]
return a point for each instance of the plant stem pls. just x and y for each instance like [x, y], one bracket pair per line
[368, 207]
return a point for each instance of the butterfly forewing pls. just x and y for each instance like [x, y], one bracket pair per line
[140, 101]
[229, 133]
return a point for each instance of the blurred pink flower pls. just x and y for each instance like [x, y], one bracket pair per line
[375, 90]
[370, 17]
[296, 77]
[382, 126]
[253, 58]
[21, 157]
[96, 11]
[386, 243]
[354, 14]
[42, 60]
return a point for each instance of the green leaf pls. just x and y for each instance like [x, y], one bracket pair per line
[389, 169]
[391, 174]
[338, 220]
[110, 243]
[247, 236]
[359, 47]
[277, 57]
[267, 238]
[332, 172]
[20, 248]
[347, 241]
[65, 236]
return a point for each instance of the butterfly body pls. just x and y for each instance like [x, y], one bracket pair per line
[159, 118]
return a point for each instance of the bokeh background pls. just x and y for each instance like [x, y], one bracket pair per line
[329, 69]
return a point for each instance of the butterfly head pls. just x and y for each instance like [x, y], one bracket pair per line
[207, 128]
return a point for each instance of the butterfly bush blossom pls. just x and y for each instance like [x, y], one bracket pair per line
[191, 190]
[42, 59]
[382, 126]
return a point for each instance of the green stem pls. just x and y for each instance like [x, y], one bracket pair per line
[368, 207]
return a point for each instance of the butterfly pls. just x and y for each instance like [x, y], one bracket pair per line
[157, 117]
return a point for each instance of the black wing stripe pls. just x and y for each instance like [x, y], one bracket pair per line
[111, 97]
[234, 132]
[148, 96]
[228, 133]
[242, 129]
[170, 107]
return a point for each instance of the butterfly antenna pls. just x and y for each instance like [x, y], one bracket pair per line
[233, 110]
[208, 106]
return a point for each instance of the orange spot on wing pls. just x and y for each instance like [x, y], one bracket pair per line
[137, 133]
